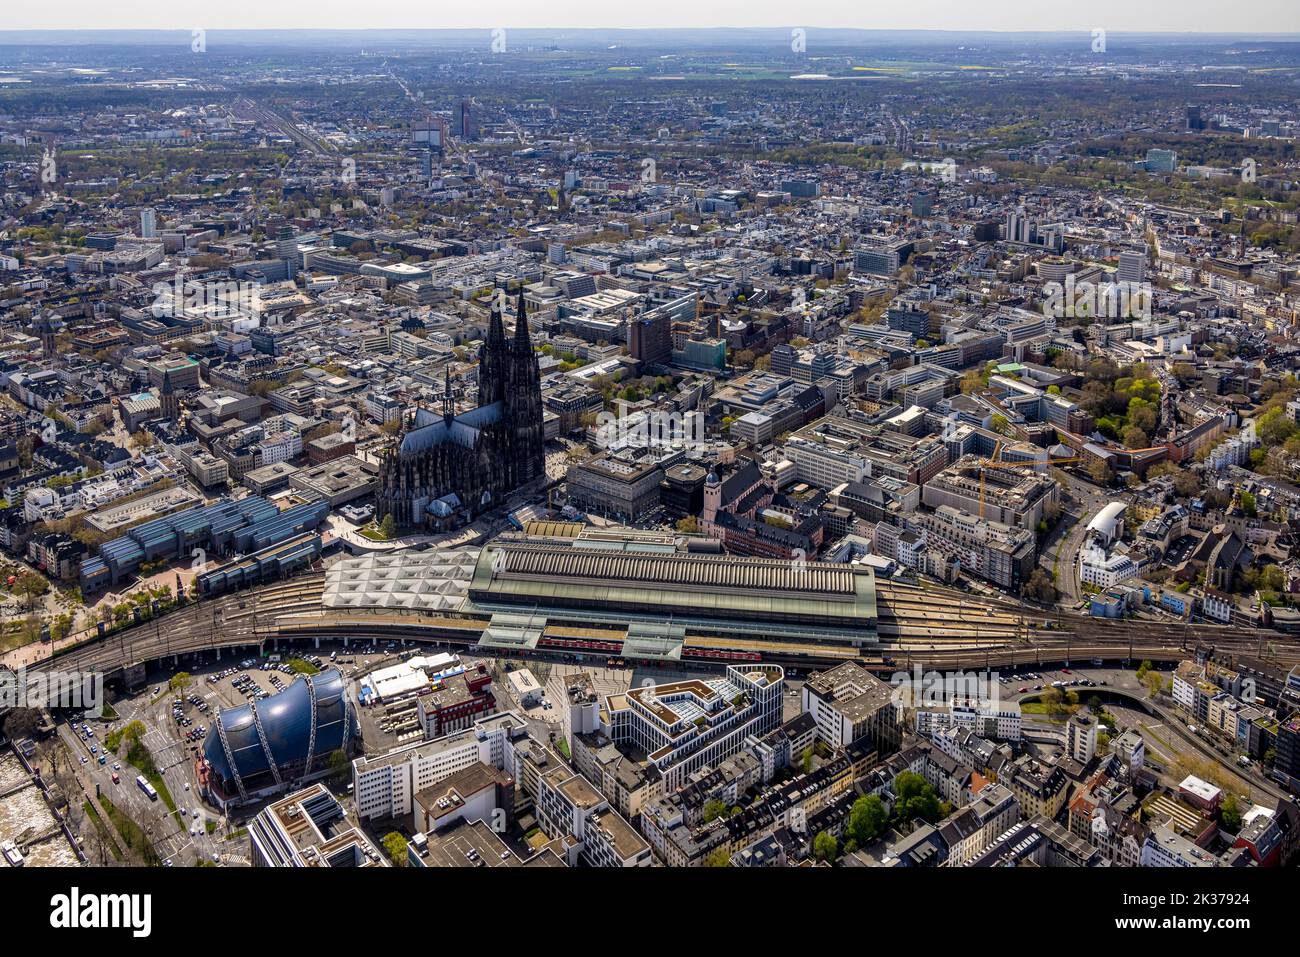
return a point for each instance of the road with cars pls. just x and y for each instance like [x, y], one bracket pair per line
[1088, 500]
[179, 842]
[1167, 734]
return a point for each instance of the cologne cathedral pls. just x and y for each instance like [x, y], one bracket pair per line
[447, 463]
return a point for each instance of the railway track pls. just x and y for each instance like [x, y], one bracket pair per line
[941, 629]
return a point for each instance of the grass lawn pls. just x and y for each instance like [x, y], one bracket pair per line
[138, 756]
[132, 834]
[102, 828]
[13, 635]
[1056, 716]
[302, 666]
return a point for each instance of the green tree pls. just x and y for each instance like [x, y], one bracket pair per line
[31, 586]
[713, 810]
[1135, 438]
[1052, 699]
[718, 857]
[867, 819]
[916, 798]
[388, 527]
[1274, 427]
[395, 845]
[1248, 504]
[1230, 814]
[339, 765]
[1272, 578]
[826, 847]
[131, 733]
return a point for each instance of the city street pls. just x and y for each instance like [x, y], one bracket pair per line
[1062, 554]
[197, 838]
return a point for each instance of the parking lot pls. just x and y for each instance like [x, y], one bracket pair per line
[177, 722]
[1064, 679]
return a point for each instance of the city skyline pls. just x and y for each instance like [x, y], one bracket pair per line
[1273, 17]
[572, 446]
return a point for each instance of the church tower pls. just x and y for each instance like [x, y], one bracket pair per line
[481, 457]
[47, 327]
[712, 500]
[492, 361]
[170, 405]
[525, 400]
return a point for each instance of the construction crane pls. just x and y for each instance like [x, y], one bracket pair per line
[993, 463]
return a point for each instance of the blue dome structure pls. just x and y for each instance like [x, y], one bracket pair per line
[261, 747]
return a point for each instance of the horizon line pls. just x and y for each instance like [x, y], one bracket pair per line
[649, 29]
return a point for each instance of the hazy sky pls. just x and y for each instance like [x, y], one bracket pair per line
[1214, 16]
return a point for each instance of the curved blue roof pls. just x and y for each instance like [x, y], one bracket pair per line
[286, 722]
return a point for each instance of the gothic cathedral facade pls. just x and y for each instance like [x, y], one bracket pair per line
[448, 464]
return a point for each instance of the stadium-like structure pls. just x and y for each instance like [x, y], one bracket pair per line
[258, 749]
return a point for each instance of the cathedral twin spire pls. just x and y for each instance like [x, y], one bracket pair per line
[521, 322]
[504, 366]
[508, 448]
